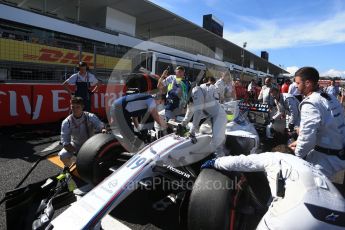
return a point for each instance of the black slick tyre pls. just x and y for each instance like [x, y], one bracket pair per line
[96, 156]
[210, 201]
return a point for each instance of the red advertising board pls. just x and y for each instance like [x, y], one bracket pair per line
[43, 103]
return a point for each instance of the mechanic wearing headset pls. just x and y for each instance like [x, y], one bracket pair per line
[76, 129]
[206, 105]
[86, 83]
[303, 197]
[321, 139]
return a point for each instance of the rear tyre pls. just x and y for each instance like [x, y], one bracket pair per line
[96, 156]
[210, 201]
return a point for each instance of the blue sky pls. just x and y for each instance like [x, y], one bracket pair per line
[296, 33]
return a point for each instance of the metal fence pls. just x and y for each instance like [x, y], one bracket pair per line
[52, 58]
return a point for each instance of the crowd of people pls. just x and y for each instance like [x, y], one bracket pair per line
[202, 99]
[316, 115]
[317, 155]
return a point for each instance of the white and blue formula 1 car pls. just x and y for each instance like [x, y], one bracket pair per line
[174, 158]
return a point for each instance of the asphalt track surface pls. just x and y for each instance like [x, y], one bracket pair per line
[21, 147]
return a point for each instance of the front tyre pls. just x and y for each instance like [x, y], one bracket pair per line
[210, 201]
[96, 156]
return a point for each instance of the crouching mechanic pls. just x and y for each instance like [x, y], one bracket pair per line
[303, 197]
[128, 109]
[76, 129]
[205, 105]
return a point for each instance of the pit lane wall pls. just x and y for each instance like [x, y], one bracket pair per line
[24, 104]
[30, 103]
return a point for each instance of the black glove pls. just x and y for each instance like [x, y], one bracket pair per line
[181, 130]
[145, 136]
[193, 138]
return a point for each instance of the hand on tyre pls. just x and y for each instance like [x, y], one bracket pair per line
[208, 164]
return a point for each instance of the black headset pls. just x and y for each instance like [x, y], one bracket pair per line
[81, 64]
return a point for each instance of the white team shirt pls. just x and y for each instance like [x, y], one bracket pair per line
[89, 77]
[293, 89]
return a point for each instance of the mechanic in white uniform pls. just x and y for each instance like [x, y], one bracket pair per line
[321, 139]
[211, 89]
[264, 95]
[205, 103]
[305, 199]
[76, 129]
[293, 89]
[287, 104]
[225, 88]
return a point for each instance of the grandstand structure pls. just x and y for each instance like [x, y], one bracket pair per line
[41, 42]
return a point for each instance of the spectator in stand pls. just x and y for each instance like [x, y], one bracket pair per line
[294, 91]
[86, 83]
[285, 86]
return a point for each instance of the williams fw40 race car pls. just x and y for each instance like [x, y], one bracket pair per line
[207, 199]
[233, 199]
